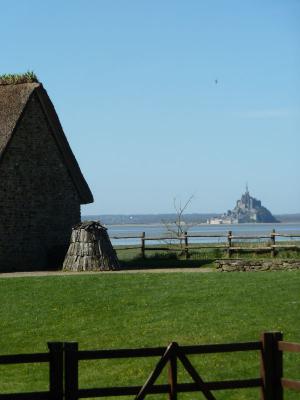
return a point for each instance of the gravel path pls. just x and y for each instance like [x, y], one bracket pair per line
[132, 271]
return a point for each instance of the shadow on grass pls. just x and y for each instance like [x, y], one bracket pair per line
[164, 261]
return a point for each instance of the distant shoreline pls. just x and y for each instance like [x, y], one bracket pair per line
[160, 219]
[154, 224]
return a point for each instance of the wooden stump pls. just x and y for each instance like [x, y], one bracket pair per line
[90, 249]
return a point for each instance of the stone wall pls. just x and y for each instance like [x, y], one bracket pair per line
[257, 265]
[38, 200]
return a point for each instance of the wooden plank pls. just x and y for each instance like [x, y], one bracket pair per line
[290, 384]
[56, 372]
[196, 246]
[203, 235]
[246, 237]
[271, 366]
[273, 243]
[126, 237]
[289, 346]
[221, 348]
[267, 248]
[159, 351]
[160, 389]
[71, 371]
[24, 358]
[163, 238]
[157, 371]
[120, 353]
[195, 376]
[229, 244]
[186, 244]
[208, 235]
[172, 377]
[182, 237]
[26, 396]
[143, 244]
[193, 246]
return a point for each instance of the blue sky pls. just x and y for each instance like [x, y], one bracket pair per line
[134, 85]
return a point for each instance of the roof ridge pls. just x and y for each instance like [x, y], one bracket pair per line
[27, 77]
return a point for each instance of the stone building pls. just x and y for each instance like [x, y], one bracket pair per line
[41, 185]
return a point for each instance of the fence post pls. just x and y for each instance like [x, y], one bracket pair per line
[172, 377]
[271, 366]
[186, 245]
[273, 250]
[56, 372]
[71, 371]
[229, 243]
[143, 244]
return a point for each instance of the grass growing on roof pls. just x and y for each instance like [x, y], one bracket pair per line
[135, 310]
[12, 79]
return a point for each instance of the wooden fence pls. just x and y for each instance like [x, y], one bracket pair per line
[64, 358]
[232, 243]
[54, 358]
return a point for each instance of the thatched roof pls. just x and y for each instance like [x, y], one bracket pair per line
[13, 101]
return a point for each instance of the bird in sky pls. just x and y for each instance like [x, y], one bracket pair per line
[216, 81]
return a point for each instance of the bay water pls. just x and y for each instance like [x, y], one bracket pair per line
[205, 229]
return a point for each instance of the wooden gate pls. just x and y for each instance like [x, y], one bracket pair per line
[64, 358]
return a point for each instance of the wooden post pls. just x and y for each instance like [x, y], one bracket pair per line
[186, 245]
[143, 244]
[271, 367]
[273, 250]
[71, 371]
[172, 377]
[229, 243]
[56, 372]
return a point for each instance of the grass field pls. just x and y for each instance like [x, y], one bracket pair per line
[135, 310]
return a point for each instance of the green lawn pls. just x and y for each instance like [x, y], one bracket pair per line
[135, 310]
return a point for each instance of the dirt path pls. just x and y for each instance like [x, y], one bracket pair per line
[132, 271]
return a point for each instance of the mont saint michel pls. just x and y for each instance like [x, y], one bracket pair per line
[247, 210]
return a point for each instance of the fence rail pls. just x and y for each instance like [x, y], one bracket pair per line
[55, 360]
[64, 359]
[229, 246]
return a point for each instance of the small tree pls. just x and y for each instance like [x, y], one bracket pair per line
[178, 227]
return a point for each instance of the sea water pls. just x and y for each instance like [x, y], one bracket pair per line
[157, 230]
